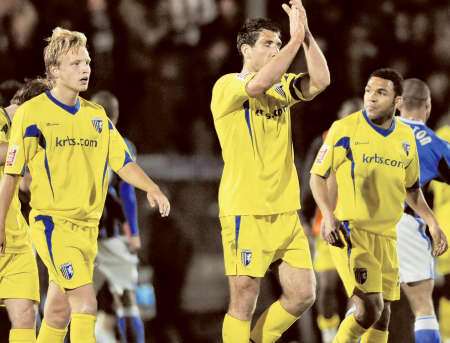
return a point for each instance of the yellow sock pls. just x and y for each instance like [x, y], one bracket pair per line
[328, 327]
[444, 314]
[22, 336]
[82, 328]
[272, 323]
[349, 331]
[375, 336]
[235, 330]
[47, 334]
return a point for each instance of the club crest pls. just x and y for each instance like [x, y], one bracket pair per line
[246, 257]
[97, 123]
[67, 270]
[406, 147]
[360, 275]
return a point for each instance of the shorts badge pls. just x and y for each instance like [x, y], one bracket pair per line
[246, 257]
[360, 275]
[67, 270]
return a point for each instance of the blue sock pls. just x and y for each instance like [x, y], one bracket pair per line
[138, 329]
[135, 325]
[122, 325]
[426, 329]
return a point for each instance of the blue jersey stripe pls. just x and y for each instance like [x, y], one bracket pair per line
[246, 106]
[237, 225]
[47, 169]
[49, 227]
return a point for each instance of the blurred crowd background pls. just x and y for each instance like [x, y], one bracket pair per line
[161, 58]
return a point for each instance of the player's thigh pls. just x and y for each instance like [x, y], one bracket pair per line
[68, 251]
[364, 263]
[419, 295]
[246, 251]
[389, 268]
[299, 283]
[414, 250]
[21, 312]
[294, 245]
[82, 299]
[19, 277]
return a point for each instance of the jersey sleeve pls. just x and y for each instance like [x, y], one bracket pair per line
[325, 159]
[119, 154]
[23, 143]
[4, 127]
[229, 94]
[291, 86]
[412, 170]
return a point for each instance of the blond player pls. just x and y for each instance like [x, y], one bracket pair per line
[68, 144]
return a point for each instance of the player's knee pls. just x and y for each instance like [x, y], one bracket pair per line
[57, 316]
[369, 311]
[23, 318]
[383, 322]
[127, 298]
[243, 297]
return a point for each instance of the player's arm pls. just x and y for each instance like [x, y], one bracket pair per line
[272, 72]
[415, 199]
[7, 187]
[134, 175]
[121, 162]
[324, 190]
[3, 152]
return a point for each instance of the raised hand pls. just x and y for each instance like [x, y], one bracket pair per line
[298, 23]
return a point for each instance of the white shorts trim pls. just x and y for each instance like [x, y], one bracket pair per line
[414, 250]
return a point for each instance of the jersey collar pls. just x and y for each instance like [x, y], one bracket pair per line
[380, 130]
[71, 109]
[411, 121]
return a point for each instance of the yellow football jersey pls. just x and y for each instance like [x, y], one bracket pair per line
[373, 166]
[259, 175]
[67, 150]
[16, 228]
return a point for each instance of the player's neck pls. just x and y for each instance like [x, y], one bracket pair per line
[384, 122]
[248, 68]
[65, 95]
[415, 116]
[10, 110]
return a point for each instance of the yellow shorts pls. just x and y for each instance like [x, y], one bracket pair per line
[19, 277]
[322, 257]
[252, 243]
[443, 261]
[369, 264]
[67, 250]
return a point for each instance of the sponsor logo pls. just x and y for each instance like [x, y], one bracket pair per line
[97, 123]
[70, 141]
[246, 257]
[12, 154]
[67, 270]
[274, 115]
[360, 275]
[382, 160]
[322, 153]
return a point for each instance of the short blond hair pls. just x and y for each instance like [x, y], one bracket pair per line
[60, 43]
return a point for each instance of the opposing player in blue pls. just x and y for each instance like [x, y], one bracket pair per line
[117, 260]
[414, 245]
